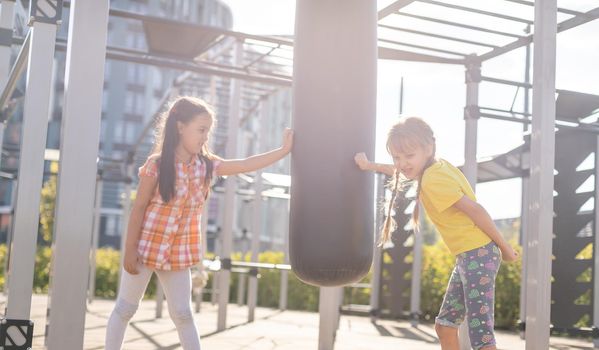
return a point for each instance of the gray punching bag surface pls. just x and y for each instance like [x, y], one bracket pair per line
[331, 232]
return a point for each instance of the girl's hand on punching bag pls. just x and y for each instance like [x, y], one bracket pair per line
[287, 140]
[362, 161]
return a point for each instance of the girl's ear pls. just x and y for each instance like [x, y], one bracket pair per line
[429, 150]
[180, 127]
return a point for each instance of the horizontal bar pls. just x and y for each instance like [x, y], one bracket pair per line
[460, 25]
[578, 127]
[481, 12]
[15, 74]
[394, 7]
[239, 35]
[386, 53]
[423, 47]
[439, 36]
[559, 9]
[511, 82]
[505, 111]
[562, 26]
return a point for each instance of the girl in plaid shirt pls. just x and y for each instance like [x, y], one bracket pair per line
[163, 234]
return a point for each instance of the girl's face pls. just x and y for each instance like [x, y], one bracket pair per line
[194, 134]
[410, 161]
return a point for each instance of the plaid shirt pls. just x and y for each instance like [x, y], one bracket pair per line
[170, 235]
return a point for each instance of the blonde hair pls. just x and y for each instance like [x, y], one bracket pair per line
[408, 133]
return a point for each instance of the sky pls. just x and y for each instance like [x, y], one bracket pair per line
[436, 92]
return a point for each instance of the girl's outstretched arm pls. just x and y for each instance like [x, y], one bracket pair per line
[482, 219]
[259, 161]
[365, 164]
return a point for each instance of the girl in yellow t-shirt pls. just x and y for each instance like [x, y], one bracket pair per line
[465, 226]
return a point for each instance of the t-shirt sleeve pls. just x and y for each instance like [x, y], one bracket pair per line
[442, 189]
[215, 164]
[150, 168]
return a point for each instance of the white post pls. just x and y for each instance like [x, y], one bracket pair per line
[540, 238]
[595, 247]
[283, 290]
[7, 10]
[257, 219]
[375, 283]
[241, 288]
[416, 275]
[31, 167]
[524, 231]
[200, 292]
[84, 80]
[471, 115]
[126, 204]
[91, 291]
[328, 307]
[230, 189]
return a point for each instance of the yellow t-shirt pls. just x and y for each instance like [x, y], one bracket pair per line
[442, 185]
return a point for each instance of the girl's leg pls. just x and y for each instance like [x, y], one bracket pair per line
[452, 313]
[131, 291]
[177, 289]
[478, 269]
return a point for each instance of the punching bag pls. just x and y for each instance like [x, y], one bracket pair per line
[331, 233]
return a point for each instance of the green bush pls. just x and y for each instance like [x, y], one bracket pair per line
[437, 265]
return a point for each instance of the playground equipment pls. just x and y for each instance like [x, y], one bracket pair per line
[86, 49]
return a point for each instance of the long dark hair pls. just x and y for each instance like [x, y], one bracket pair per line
[183, 109]
[406, 134]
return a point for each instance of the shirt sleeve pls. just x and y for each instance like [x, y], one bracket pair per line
[442, 189]
[150, 168]
[215, 164]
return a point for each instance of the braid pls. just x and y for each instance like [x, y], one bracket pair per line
[390, 224]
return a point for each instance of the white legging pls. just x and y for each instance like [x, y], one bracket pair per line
[177, 288]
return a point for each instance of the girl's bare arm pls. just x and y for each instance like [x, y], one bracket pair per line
[259, 161]
[483, 220]
[145, 191]
[365, 164]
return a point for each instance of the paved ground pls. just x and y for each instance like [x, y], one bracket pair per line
[273, 330]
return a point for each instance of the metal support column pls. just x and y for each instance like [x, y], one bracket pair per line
[471, 116]
[31, 163]
[91, 291]
[84, 83]
[542, 164]
[229, 201]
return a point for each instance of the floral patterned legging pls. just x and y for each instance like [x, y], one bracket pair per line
[471, 294]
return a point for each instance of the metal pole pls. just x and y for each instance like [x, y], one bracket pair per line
[257, 219]
[200, 292]
[241, 288]
[524, 227]
[7, 9]
[375, 282]
[283, 290]
[416, 275]
[595, 254]
[91, 291]
[471, 116]
[539, 242]
[328, 308]
[255, 244]
[230, 188]
[84, 80]
[6, 24]
[126, 204]
[31, 166]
